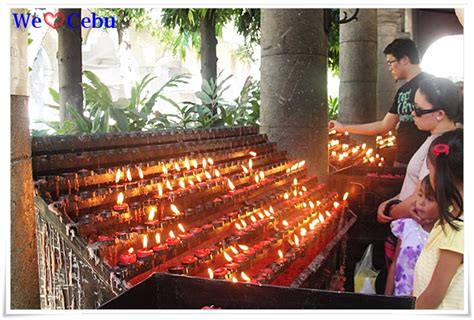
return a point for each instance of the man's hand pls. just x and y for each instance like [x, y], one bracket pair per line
[381, 217]
[336, 125]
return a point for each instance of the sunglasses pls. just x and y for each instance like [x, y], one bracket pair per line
[419, 112]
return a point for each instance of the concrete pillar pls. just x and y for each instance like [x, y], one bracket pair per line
[388, 22]
[24, 260]
[294, 84]
[358, 68]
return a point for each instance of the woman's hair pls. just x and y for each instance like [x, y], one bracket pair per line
[446, 155]
[444, 95]
[428, 188]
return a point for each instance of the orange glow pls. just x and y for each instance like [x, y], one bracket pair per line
[181, 228]
[186, 163]
[230, 184]
[262, 175]
[244, 168]
[120, 198]
[346, 133]
[346, 195]
[210, 161]
[250, 164]
[151, 214]
[140, 173]
[211, 273]
[171, 234]
[168, 185]
[145, 242]
[245, 277]
[208, 175]
[237, 226]
[295, 181]
[176, 166]
[280, 254]
[318, 203]
[160, 189]
[175, 210]
[129, 175]
[311, 226]
[164, 169]
[234, 279]
[181, 183]
[227, 257]
[130, 251]
[285, 223]
[303, 232]
[234, 250]
[295, 193]
[204, 163]
[315, 221]
[336, 204]
[253, 153]
[243, 247]
[157, 238]
[217, 173]
[118, 175]
[194, 163]
[253, 219]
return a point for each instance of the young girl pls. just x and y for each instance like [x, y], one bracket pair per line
[411, 240]
[439, 272]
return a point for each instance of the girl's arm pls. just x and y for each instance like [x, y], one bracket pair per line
[448, 264]
[390, 284]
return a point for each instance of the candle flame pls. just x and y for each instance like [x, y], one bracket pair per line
[262, 175]
[157, 238]
[118, 175]
[346, 133]
[285, 223]
[151, 214]
[253, 219]
[171, 234]
[217, 173]
[257, 179]
[295, 181]
[168, 185]
[145, 242]
[230, 184]
[260, 215]
[176, 166]
[227, 257]
[120, 198]
[315, 221]
[245, 277]
[234, 250]
[250, 164]
[244, 168]
[271, 209]
[318, 203]
[303, 232]
[304, 188]
[204, 163]
[208, 175]
[295, 193]
[191, 182]
[211, 273]
[181, 183]
[311, 204]
[164, 169]
[186, 163]
[140, 173]
[194, 163]
[328, 213]
[286, 196]
[210, 161]
[297, 240]
[311, 226]
[198, 178]
[336, 204]
[301, 164]
[234, 279]
[243, 247]
[253, 153]
[181, 228]
[321, 218]
[237, 226]
[175, 209]
[280, 254]
[266, 213]
[129, 174]
[244, 224]
[130, 250]
[160, 189]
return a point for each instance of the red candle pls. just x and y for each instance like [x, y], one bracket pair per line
[220, 273]
[202, 253]
[240, 258]
[128, 258]
[172, 241]
[189, 261]
[120, 207]
[207, 228]
[145, 253]
[232, 266]
[195, 231]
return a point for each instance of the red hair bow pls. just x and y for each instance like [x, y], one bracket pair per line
[441, 149]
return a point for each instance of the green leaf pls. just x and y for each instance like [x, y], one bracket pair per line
[121, 103]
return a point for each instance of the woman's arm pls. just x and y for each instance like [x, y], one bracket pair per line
[448, 264]
[390, 285]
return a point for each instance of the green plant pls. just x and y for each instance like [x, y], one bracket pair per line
[333, 107]
[246, 108]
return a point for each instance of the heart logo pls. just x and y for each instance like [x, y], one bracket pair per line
[54, 20]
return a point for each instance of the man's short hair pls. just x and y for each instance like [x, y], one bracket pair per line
[402, 47]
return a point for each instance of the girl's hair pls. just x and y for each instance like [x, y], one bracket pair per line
[446, 155]
[444, 95]
[428, 188]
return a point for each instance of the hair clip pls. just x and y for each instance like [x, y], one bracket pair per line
[440, 148]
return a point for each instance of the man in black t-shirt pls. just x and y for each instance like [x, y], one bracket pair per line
[404, 64]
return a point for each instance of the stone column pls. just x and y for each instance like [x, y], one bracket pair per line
[358, 69]
[24, 259]
[388, 22]
[294, 84]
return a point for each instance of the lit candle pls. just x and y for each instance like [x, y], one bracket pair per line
[281, 260]
[172, 241]
[120, 207]
[232, 266]
[145, 254]
[151, 222]
[160, 249]
[128, 258]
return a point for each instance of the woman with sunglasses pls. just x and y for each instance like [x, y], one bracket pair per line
[438, 102]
